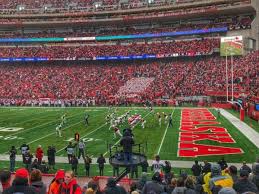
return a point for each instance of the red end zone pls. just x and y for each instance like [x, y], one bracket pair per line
[197, 125]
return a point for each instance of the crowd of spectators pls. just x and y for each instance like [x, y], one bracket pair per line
[232, 22]
[101, 82]
[135, 86]
[237, 22]
[60, 3]
[104, 4]
[210, 178]
[126, 31]
[193, 47]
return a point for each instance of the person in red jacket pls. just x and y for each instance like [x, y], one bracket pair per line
[39, 154]
[70, 186]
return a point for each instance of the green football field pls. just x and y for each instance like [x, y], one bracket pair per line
[36, 126]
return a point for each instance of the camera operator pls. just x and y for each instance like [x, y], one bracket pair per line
[127, 142]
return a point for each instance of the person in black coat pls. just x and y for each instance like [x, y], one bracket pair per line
[196, 169]
[74, 164]
[244, 184]
[28, 160]
[207, 167]
[127, 142]
[51, 152]
[223, 164]
[101, 161]
[36, 182]
[112, 188]
[144, 166]
[245, 167]
[12, 155]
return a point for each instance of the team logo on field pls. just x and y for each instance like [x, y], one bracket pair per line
[10, 129]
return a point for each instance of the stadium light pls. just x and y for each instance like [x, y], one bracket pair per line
[21, 8]
[97, 5]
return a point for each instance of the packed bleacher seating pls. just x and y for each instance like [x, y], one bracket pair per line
[77, 4]
[135, 86]
[172, 77]
[205, 46]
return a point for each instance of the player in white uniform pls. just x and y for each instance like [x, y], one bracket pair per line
[143, 123]
[107, 118]
[157, 165]
[63, 119]
[159, 119]
[165, 117]
[58, 130]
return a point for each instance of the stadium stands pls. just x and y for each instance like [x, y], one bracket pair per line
[231, 22]
[205, 46]
[180, 77]
[103, 5]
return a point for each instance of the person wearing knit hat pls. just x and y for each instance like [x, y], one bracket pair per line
[20, 183]
[58, 180]
[22, 173]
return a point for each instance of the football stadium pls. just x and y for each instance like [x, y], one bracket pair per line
[129, 96]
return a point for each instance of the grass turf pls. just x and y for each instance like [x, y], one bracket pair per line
[39, 128]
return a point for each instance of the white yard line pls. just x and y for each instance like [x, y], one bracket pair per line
[32, 119]
[53, 133]
[84, 136]
[49, 134]
[22, 131]
[161, 144]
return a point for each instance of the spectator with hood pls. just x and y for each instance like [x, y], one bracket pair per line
[215, 180]
[56, 182]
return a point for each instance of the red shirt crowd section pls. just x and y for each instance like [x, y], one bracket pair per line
[205, 46]
[174, 77]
